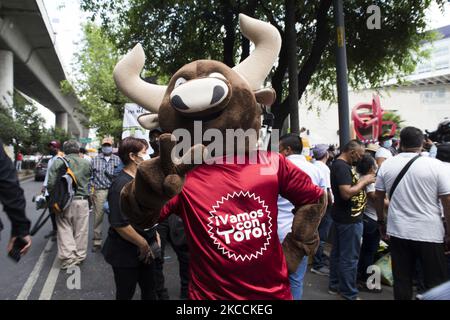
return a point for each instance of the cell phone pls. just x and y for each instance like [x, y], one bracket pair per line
[18, 245]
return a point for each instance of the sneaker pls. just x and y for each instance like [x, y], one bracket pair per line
[67, 264]
[323, 271]
[333, 292]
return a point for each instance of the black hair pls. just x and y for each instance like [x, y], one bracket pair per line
[411, 137]
[352, 145]
[292, 140]
[367, 162]
[130, 145]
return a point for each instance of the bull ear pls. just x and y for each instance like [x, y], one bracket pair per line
[149, 121]
[265, 96]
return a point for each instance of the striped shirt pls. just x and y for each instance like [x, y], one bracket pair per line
[103, 170]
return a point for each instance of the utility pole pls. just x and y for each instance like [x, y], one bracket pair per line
[291, 38]
[341, 69]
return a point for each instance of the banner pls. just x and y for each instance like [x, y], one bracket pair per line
[131, 126]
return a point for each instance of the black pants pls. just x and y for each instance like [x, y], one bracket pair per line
[53, 219]
[369, 247]
[183, 260]
[127, 278]
[405, 253]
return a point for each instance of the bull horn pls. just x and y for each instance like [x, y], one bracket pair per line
[267, 40]
[128, 80]
[148, 121]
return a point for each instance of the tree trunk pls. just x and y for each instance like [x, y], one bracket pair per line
[230, 36]
[249, 10]
[280, 109]
[291, 42]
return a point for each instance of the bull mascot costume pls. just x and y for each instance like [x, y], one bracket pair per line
[229, 209]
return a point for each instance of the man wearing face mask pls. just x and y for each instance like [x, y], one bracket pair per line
[347, 212]
[103, 167]
[384, 152]
[154, 141]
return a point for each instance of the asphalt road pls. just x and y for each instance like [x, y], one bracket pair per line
[38, 276]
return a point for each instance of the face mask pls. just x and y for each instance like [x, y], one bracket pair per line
[53, 152]
[107, 150]
[146, 157]
[387, 144]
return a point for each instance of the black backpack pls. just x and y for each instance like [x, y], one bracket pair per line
[64, 190]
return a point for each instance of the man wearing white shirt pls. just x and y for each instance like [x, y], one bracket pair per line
[414, 221]
[291, 147]
[320, 263]
[384, 152]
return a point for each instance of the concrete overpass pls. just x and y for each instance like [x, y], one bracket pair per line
[29, 62]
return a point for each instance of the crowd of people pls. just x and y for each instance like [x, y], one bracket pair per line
[362, 210]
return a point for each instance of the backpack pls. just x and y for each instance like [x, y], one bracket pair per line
[64, 190]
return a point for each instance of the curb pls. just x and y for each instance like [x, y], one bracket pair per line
[26, 178]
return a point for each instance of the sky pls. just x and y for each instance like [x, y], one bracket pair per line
[66, 19]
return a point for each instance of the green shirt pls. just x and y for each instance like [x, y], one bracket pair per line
[81, 169]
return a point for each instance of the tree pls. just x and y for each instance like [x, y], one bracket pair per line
[395, 118]
[24, 129]
[101, 102]
[174, 33]
[50, 134]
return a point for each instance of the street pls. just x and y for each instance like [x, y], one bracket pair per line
[38, 275]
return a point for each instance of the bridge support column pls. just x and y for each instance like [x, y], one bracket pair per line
[62, 120]
[6, 78]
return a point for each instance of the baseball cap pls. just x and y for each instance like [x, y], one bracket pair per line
[320, 151]
[55, 144]
[107, 140]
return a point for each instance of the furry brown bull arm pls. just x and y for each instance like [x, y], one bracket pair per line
[157, 181]
[304, 237]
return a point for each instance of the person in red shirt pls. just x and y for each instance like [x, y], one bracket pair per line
[19, 160]
[229, 208]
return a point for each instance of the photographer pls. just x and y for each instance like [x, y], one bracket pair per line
[13, 200]
[129, 250]
[103, 167]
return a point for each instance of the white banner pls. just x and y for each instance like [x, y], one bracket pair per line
[131, 126]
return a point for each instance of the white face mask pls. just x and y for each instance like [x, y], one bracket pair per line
[146, 157]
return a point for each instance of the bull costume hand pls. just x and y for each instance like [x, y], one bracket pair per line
[157, 181]
[304, 238]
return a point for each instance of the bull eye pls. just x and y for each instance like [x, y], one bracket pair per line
[217, 75]
[180, 81]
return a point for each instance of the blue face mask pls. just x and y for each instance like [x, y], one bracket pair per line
[107, 150]
[387, 144]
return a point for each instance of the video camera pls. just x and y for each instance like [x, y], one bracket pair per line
[442, 134]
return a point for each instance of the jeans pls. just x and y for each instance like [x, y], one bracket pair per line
[320, 258]
[344, 258]
[296, 279]
[369, 247]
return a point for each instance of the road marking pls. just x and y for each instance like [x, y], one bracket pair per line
[49, 285]
[34, 275]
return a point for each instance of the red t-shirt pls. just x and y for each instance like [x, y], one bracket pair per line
[230, 217]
